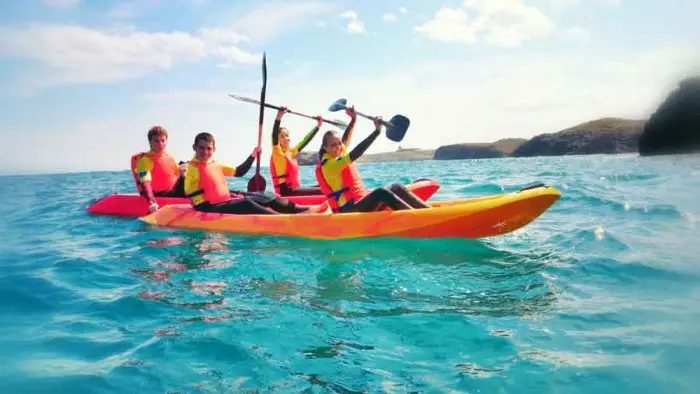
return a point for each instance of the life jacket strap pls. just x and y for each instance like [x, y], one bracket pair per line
[195, 193]
[336, 194]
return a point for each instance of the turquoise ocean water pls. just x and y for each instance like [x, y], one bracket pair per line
[600, 294]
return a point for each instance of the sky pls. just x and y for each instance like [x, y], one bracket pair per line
[83, 81]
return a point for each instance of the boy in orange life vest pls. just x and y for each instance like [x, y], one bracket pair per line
[205, 184]
[155, 172]
[341, 182]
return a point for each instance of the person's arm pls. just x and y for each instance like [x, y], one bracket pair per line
[367, 142]
[347, 135]
[243, 168]
[144, 167]
[276, 126]
[152, 204]
[309, 136]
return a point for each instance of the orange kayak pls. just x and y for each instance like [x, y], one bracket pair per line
[133, 205]
[470, 218]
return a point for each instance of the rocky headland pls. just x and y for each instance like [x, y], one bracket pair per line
[675, 126]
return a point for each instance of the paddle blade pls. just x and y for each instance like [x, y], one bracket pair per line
[398, 128]
[338, 105]
[244, 99]
[257, 183]
[337, 123]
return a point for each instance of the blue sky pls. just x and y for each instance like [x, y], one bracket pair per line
[83, 81]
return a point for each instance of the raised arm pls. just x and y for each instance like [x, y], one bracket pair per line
[367, 142]
[309, 136]
[347, 135]
[243, 168]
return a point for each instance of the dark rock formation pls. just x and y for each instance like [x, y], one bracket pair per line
[467, 151]
[500, 148]
[307, 158]
[509, 145]
[675, 126]
[607, 135]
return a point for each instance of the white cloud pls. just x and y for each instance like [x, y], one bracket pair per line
[275, 18]
[577, 33]
[572, 2]
[403, 10]
[449, 24]
[350, 14]
[77, 54]
[504, 23]
[354, 25]
[489, 99]
[65, 4]
[388, 17]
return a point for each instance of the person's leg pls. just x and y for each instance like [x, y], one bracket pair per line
[286, 191]
[279, 204]
[408, 196]
[243, 206]
[378, 198]
[283, 205]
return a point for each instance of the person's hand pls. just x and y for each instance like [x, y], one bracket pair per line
[319, 121]
[153, 207]
[281, 112]
[351, 112]
[378, 123]
[256, 152]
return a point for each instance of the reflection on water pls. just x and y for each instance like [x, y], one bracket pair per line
[220, 276]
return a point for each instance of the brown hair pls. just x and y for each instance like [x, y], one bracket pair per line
[323, 143]
[206, 137]
[157, 131]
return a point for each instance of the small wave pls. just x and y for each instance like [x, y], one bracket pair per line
[481, 189]
[587, 360]
[65, 366]
[596, 239]
[623, 204]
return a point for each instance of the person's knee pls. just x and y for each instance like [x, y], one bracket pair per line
[397, 187]
[383, 192]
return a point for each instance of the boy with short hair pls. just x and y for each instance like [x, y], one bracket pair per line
[205, 184]
[156, 173]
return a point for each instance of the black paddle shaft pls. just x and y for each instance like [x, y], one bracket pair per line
[257, 182]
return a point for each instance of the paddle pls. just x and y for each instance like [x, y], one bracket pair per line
[337, 123]
[257, 182]
[396, 127]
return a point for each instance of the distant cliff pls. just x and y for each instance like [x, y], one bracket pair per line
[309, 158]
[500, 148]
[675, 126]
[601, 136]
[606, 135]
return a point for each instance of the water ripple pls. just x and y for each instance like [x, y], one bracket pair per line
[599, 294]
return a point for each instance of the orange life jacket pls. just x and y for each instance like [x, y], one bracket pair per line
[164, 174]
[212, 183]
[291, 177]
[351, 191]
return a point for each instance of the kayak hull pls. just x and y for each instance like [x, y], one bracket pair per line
[133, 205]
[470, 218]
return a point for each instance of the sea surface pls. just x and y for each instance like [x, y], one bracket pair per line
[601, 294]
